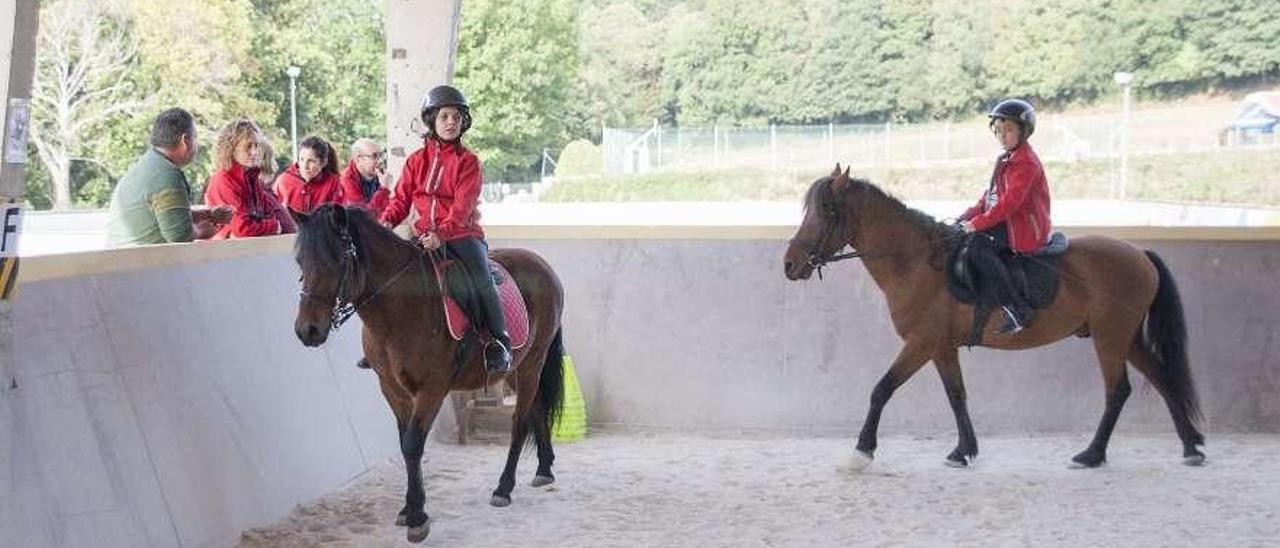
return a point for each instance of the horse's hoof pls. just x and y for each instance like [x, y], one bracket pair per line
[419, 533]
[540, 480]
[960, 459]
[1194, 460]
[857, 462]
[499, 501]
[1081, 464]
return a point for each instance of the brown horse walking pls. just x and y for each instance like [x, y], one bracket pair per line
[351, 264]
[1108, 289]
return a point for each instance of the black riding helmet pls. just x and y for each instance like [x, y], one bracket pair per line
[444, 96]
[1019, 111]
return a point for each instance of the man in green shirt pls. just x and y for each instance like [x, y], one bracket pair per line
[151, 204]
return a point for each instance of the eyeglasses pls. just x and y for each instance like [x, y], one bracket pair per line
[375, 156]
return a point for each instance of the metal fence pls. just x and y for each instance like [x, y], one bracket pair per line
[1079, 138]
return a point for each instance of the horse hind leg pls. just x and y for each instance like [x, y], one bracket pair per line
[547, 408]
[966, 451]
[1145, 362]
[501, 496]
[1116, 380]
[546, 455]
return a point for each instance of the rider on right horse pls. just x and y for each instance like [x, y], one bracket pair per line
[1012, 216]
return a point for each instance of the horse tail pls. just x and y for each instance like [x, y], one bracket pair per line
[1166, 338]
[551, 383]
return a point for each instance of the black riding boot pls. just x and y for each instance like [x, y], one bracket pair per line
[474, 255]
[985, 253]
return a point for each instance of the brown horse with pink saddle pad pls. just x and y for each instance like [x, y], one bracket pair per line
[352, 265]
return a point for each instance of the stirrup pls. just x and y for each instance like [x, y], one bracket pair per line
[497, 361]
[1012, 323]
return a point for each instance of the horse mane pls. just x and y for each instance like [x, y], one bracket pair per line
[319, 240]
[940, 236]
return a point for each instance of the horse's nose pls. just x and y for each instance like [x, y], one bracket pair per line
[309, 334]
[786, 268]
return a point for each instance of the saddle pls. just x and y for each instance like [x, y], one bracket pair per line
[461, 303]
[1034, 275]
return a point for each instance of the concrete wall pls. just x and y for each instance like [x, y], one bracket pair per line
[160, 398]
[172, 406]
[707, 334]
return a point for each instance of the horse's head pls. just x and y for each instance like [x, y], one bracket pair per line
[326, 251]
[824, 230]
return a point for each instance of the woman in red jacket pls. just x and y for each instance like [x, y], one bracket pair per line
[1013, 213]
[234, 182]
[312, 180]
[441, 181]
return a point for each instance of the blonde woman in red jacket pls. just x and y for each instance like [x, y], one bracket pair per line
[441, 181]
[1013, 213]
[312, 179]
[234, 182]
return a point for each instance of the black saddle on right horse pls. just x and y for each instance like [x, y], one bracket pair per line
[1034, 275]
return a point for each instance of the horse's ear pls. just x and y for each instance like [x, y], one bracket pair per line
[841, 181]
[298, 217]
[340, 217]
[836, 172]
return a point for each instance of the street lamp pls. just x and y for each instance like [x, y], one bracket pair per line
[1125, 81]
[293, 71]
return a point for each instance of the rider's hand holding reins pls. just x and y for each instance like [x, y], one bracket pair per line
[430, 241]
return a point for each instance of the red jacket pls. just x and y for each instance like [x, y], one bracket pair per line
[257, 213]
[303, 196]
[441, 181]
[353, 192]
[1021, 200]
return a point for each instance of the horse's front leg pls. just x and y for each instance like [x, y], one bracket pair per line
[909, 360]
[948, 365]
[401, 403]
[426, 403]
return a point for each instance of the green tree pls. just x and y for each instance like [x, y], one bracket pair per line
[85, 55]
[516, 62]
[340, 48]
[735, 63]
[620, 50]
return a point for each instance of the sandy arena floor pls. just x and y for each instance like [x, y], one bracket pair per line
[661, 490]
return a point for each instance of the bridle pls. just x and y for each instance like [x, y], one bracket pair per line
[832, 217]
[343, 304]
